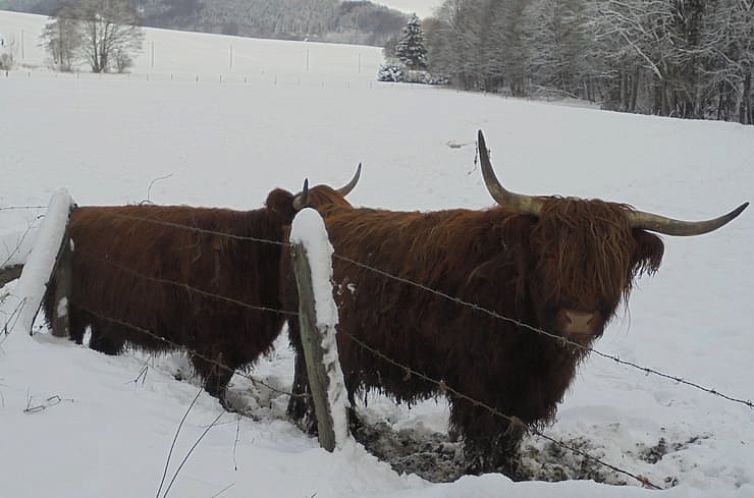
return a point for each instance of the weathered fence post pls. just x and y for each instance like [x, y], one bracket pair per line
[311, 253]
[307, 319]
[62, 280]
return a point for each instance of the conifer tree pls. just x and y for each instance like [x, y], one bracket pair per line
[410, 49]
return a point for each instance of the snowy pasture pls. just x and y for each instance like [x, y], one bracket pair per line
[74, 422]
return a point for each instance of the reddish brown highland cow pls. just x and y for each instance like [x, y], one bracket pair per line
[559, 264]
[163, 277]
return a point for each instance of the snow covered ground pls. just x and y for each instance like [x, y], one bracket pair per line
[104, 425]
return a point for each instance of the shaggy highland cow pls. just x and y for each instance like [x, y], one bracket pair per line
[559, 264]
[163, 277]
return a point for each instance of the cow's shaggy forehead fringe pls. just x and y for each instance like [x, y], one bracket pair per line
[588, 252]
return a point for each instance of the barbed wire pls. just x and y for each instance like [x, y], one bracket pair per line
[563, 340]
[201, 230]
[515, 421]
[193, 352]
[188, 287]
[5, 263]
[21, 208]
[440, 384]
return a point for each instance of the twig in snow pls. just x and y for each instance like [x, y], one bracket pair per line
[7, 327]
[149, 189]
[49, 402]
[142, 375]
[226, 488]
[235, 444]
[175, 438]
[190, 451]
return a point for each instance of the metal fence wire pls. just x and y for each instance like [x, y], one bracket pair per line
[442, 386]
[562, 340]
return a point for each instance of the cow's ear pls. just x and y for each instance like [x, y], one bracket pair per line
[280, 203]
[648, 251]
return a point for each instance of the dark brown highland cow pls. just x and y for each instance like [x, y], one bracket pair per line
[558, 264]
[127, 260]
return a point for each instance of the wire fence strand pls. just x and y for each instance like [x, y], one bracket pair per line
[515, 421]
[188, 287]
[21, 208]
[646, 370]
[174, 345]
[439, 383]
[201, 230]
[564, 341]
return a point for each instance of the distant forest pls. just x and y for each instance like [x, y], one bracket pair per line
[357, 22]
[682, 58]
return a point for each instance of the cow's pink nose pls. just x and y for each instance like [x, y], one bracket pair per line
[577, 322]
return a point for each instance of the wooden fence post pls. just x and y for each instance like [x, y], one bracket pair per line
[62, 281]
[312, 342]
[311, 253]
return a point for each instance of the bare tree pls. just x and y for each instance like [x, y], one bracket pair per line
[103, 33]
[62, 37]
[111, 34]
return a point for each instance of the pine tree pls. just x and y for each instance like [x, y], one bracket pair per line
[410, 49]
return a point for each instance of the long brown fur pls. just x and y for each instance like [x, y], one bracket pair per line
[113, 251]
[580, 254]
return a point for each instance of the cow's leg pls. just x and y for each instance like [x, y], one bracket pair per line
[105, 344]
[300, 405]
[215, 375]
[490, 443]
[496, 453]
[106, 338]
[77, 323]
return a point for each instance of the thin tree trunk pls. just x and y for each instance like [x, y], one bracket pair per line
[745, 111]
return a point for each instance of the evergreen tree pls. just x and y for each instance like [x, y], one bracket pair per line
[410, 49]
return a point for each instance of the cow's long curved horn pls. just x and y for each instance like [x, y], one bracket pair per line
[517, 202]
[669, 226]
[346, 189]
[300, 201]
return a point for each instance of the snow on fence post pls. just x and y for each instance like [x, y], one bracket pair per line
[318, 315]
[42, 260]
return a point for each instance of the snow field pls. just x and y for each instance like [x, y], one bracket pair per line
[115, 140]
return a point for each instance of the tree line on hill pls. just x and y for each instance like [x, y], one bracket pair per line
[358, 22]
[683, 58]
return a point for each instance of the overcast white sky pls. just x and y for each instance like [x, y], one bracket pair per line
[423, 8]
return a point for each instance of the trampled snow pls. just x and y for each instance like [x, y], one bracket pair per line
[74, 422]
